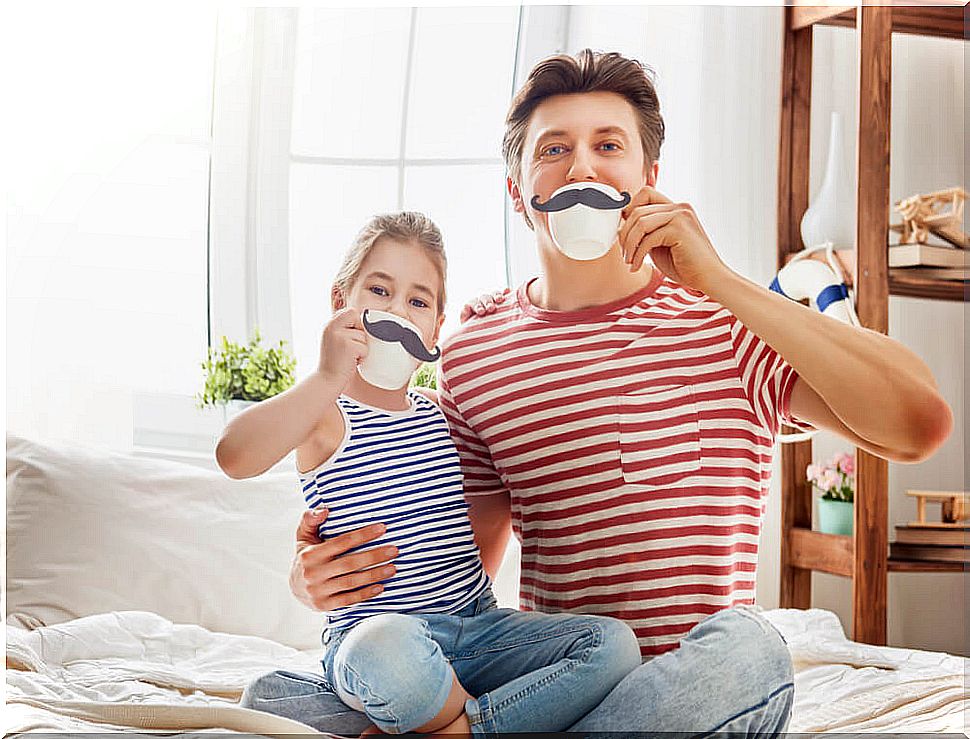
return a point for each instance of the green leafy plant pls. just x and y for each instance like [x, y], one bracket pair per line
[425, 377]
[246, 372]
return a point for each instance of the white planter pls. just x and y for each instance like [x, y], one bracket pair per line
[234, 407]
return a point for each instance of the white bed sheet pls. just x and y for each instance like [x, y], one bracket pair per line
[131, 669]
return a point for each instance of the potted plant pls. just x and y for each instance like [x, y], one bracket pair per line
[836, 480]
[238, 375]
[425, 377]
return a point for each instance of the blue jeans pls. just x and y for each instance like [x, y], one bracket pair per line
[732, 674]
[528, 671]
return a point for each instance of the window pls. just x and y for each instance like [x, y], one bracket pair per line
[397, 109]
[107, 214]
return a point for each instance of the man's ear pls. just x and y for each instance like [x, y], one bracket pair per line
[515, 194]
[337, 301]
[653, 172]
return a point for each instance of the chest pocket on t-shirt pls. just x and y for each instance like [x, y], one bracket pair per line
[660, 440]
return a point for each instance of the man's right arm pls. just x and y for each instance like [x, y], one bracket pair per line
[491, 517]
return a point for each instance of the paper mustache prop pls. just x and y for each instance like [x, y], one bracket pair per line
[588, 196]
[583, 218]
[391, 332]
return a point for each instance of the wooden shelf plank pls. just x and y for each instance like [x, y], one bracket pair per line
[803, 16]
[912, 565]
[904, 282]
[925, 19]
[813, 550]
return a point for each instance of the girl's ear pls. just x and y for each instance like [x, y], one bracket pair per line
[437, 330]
[337, 301]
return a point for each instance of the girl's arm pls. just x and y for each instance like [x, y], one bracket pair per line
[261, 436]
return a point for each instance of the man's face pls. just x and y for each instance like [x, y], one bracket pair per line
[584, 137]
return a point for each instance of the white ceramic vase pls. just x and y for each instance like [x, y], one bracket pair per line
[831, 215]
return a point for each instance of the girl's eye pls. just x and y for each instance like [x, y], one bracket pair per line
[418, 303]
[378, 290]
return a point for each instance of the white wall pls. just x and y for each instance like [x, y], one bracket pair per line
[719, 75]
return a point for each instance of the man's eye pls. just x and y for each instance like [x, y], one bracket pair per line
[378, 290]
[611, 146]
[553, 151]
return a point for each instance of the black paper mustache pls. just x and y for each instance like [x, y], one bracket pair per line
[588, 196]
[395, 332]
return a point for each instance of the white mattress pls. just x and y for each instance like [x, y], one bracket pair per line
[133, 669]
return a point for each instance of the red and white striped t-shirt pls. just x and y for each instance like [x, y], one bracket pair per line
[635, 440]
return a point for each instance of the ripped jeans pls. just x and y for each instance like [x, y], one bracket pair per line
[732, 674]
[529, 671]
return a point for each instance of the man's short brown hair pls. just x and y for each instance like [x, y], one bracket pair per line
[588, 71]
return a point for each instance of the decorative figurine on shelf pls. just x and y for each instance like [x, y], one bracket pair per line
[939, 213]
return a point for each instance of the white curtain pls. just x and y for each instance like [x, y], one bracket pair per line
[718, 76]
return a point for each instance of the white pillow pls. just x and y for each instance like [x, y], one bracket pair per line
[94, 531]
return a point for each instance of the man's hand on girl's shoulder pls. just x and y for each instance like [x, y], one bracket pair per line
[484, 305]
[427, 392]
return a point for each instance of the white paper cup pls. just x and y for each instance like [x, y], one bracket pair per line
[581, 232]
[387, 364]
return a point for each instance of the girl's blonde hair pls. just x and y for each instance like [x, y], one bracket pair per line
[403, 226]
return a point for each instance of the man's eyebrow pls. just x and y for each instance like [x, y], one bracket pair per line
[599, 131]
[612, 129]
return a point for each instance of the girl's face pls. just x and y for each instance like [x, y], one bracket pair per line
[400, 278]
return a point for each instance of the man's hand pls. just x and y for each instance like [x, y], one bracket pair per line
[673, 237]
[323, 577]
[483, 305]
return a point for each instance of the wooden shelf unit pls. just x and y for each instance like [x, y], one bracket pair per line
[864, 557]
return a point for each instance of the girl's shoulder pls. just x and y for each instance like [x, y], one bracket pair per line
[321, 443]
[428, 393]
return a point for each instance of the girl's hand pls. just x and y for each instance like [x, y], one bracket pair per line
[342, 346]
[483, 305]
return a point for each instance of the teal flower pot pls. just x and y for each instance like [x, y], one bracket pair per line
[835, 517]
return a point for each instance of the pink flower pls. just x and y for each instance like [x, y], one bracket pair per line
[829, 479]
[846, 464]
[812, 473]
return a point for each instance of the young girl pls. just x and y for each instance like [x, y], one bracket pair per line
[432, 652]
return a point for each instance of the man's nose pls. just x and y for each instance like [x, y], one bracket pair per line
[581, 166]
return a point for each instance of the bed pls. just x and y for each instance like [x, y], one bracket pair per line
[144, 595]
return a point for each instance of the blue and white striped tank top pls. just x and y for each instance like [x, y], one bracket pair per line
[400, 468]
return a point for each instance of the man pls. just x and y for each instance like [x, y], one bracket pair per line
[620, 417]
